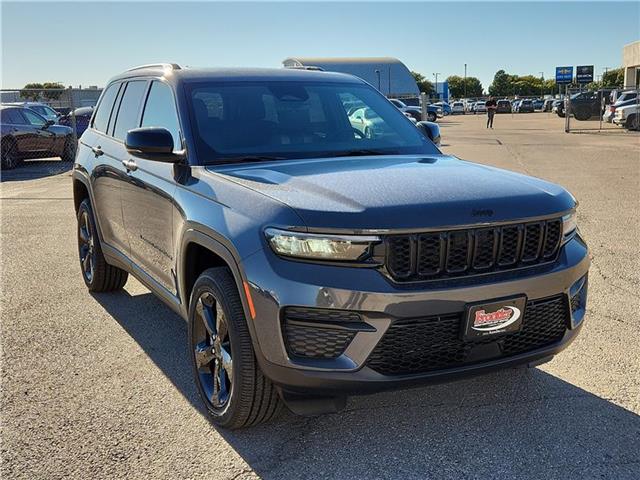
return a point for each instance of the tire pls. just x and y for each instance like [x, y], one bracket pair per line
[431, 117]
[10, 158]
[69, 150]
[581, 114]
[233, 388]
[632, 123]
[97, 274]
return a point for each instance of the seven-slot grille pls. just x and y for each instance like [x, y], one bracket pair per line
[419, 345]
[454, 253]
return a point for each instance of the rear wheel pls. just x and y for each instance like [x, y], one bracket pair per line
[10, 158]
[431, 117]
[69, 150]
[98, 275]
[229, 380]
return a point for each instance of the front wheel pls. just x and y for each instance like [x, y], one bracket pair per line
[431, 117]
[229, 380]
[632, 123]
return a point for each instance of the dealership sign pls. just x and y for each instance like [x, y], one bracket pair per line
[584, 74]
[564, 74]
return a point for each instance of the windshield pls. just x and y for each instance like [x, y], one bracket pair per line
[289, 120]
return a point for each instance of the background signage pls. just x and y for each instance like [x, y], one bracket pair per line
[564, 74]
[584, 74]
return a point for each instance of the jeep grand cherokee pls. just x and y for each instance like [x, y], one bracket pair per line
[311, 260]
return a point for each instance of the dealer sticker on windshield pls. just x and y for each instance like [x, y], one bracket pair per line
[495, 318]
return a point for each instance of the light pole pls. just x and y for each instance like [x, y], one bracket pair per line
[542, 84]
[436, 85]
[465, 80]
[605, 69]
[378, 73]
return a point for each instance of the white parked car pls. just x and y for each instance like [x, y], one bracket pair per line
[480, 107]
[628, 117]
[457, 107]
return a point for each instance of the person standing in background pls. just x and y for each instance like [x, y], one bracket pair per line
[491, 111]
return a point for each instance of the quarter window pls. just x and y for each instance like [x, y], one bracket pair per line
[101, 119]
[160, 111]
[129, 111]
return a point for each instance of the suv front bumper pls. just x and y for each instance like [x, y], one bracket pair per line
[276, 283]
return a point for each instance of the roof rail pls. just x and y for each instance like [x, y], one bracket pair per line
[172, 66]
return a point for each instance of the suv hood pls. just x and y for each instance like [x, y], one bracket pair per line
[399, 192]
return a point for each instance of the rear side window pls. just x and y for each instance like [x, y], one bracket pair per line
[12, 117]
[101, 120]
[128, 113]
[160, 111]
[33, 118]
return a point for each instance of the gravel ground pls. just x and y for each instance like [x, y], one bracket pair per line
[99, 386]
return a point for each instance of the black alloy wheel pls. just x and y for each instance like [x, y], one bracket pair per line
[212, 352]
[86, 247]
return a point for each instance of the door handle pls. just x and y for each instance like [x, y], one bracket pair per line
[97, 151]
[130, 165]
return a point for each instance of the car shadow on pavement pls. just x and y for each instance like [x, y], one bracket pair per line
[517, 423]
[34, 169]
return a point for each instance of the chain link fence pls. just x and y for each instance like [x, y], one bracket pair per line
[611, 110]
[61, 116]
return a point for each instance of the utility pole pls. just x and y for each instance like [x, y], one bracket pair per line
[542, 84]
[436, 85]
[606, 69]
[465, 80]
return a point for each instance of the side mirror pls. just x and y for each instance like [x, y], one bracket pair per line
[431, 130]
[152, 143]
[48, 123]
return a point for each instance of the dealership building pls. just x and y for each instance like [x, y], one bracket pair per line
[387, 74]
[631, 64]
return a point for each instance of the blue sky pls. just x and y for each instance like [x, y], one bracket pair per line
[86, 43]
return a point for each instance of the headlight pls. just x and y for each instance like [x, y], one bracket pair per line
[319, 246]
[569, 226]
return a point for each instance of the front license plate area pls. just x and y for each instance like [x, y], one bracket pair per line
[493, 319]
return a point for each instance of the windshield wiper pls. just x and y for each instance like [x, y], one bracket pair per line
[360, 153]
[247, 159]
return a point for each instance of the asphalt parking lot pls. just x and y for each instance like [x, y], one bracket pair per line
[99, 386]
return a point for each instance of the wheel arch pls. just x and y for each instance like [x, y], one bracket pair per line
[200, 251]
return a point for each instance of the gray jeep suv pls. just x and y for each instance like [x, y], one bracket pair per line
[311, 260]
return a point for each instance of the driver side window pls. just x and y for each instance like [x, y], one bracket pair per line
[33, 118]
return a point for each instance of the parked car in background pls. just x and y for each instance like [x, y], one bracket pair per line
[469, 106]
[538, 104]
[82, 118]
[41, 109]
[27, 134]
[446, 108]
[547, 105]
[585, 105]
[524, 106]
[433, 111]
[628, 116]
[503, 106]
[480, 107]
[457, 108]
[558, 107]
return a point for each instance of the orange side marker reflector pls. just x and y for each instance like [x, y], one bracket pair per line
[247, 292]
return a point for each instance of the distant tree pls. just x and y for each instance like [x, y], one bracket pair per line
[502, 84]
[35, 91]
[457, 86]
[31, 91]
[424, 85]
[505, 85]
[613, 78]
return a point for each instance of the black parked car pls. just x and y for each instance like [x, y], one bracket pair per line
[309, 260]
[26, 134]
[82, 118]
[585, 105]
